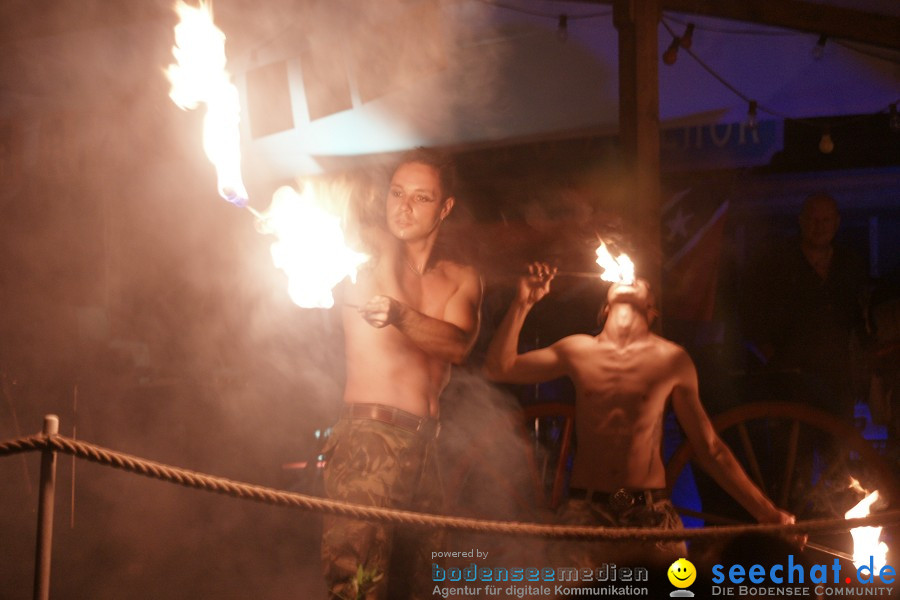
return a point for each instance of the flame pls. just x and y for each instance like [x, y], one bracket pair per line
[616, 269]
[311, 248]
[200, 77]
[866, 541]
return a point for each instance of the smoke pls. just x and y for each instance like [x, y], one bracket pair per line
[488, 466]
[125, 275]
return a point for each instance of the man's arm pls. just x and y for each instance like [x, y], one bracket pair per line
[450, 338]
[503, 361]
[712, 453]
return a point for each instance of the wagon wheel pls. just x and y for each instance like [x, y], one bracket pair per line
[801, 457]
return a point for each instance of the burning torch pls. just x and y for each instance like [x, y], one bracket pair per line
[310, 246]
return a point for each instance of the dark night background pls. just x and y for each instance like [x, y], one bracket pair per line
[146, 313]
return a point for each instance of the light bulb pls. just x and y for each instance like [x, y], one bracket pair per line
[562, 28]
[752, 121]
[671, 54]
[826, 144]
[688, 38]
[818, 50]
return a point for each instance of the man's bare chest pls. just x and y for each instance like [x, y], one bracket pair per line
[636, 375]
[427, 294]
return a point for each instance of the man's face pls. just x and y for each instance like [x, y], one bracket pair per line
[819, 223]
[414, 206]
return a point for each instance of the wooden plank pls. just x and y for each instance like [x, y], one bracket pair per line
[636, 22]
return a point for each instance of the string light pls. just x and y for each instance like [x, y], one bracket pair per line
[826, 144]
[687, 39]
[562, 28]
[818, 50]
[534, 13]
[671, 54]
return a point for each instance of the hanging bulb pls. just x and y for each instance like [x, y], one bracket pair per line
[818, 50]
[894, 120]
[826, 144]
[562, 28]
[671, 54]
[752, 121]
[688, 38]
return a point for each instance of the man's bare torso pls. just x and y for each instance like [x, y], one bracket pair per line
[622, 394]
[383, 365]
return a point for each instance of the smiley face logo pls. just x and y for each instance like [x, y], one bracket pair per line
[682, 573]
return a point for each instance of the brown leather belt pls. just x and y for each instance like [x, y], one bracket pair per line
[392, 416]
[621, 499]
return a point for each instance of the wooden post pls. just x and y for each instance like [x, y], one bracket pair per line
[45, 514]
[637, 22]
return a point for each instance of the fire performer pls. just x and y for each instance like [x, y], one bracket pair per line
[623, 379]
[409, 316]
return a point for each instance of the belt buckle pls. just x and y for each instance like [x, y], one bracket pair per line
[621, 500]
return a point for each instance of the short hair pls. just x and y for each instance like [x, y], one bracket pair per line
[818, 197]
[441, 162]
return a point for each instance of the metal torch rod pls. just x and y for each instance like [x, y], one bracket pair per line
[254, 212]
[729, 521]
[586, 274]
[831, 551]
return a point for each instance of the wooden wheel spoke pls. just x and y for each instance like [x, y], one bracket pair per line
[793, 440]
[751, 456]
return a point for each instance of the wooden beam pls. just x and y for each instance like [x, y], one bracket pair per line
[636, 22]
[833, 21]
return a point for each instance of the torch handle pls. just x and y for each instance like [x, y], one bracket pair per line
[585, 274]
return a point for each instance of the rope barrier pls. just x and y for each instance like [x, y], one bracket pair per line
[221, 485]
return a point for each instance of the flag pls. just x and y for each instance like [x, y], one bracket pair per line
[693, 229]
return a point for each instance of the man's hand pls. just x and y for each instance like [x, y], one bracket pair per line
[534, 286]
[381, 311]
[780, 517]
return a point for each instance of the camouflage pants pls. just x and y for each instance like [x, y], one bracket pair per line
[660, 514]
[373, 463]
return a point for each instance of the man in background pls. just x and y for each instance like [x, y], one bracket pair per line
[804, 307]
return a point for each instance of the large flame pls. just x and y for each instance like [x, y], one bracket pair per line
[866, 542]
[311, 248]
[616, 269]
[200, 77]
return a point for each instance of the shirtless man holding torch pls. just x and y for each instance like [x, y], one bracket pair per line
[408, 317]
[623, 379]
